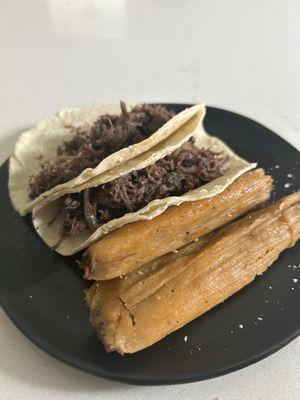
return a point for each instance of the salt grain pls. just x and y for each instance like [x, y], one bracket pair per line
[241, 326]
[270, 287]
[277, 166]
[290, 175]
[287, 185]
[260, 318]
[185, 339]
[295, 280]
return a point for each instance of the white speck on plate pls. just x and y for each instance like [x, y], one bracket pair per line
[295, 280]
[270, 287]
[231, 332]
[260, 318]
[292, 288]
[287, 185]
[67, 316]
[290, 175]
[30, 296]
[185, 339]
[241, 326]
[277, 166]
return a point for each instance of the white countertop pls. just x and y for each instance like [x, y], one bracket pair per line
[239, 55]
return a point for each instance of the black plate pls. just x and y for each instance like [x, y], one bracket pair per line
[42, 292]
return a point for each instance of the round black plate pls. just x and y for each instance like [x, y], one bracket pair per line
[42, 292]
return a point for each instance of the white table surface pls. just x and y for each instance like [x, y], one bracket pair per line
[240, 55]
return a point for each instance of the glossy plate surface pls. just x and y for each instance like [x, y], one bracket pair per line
[42, 292]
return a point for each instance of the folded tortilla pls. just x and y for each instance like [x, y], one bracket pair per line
[48, 209]
[39, 145]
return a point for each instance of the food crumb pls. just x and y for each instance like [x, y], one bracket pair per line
[141, 272]
[290, 175]
[295, 280]
[158, 297]
[270, 287]
[185, 339]
[241, 326]
[199, 348]
[287, 185]
[260, 318]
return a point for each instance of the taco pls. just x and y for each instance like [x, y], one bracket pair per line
[188, 165]
[79, 144]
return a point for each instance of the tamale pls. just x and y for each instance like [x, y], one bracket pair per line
[133, 312]
[137, 243]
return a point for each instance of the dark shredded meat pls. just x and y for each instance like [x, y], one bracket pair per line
[185, 169]
[108, 134]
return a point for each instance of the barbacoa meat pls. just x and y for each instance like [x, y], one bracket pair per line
[183, 170]
[107, 135]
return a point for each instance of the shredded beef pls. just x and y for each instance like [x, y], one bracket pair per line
[185, 169]
[107, 135]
